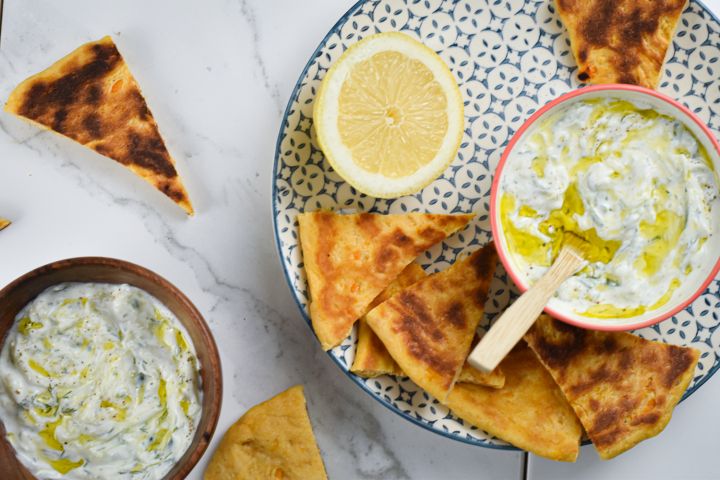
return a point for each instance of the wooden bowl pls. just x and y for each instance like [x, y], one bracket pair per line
[108, 270]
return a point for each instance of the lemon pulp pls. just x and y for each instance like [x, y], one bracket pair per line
[392, 114]
[389, 115]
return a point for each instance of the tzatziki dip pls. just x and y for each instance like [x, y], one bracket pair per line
[635, 184]
[99, 381]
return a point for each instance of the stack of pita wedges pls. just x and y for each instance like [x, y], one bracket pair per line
[355, 262]
[561, 381]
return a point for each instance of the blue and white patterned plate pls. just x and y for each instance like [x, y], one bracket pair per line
[509, 58]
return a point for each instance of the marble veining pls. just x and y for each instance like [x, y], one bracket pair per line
[217, 76]
[67, 201]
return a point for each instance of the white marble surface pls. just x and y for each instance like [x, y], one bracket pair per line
[217, 75]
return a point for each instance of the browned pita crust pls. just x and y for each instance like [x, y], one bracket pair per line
[428, 327]
[91, 97]
[620, 41]
[494, 379]
[4, 223]
[529, 411]
[373, 360]
[350, 259]
[622, 387]
[273, 440]
[371, 357]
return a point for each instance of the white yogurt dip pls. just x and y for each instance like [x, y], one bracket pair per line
[637, 185]
[99, 381]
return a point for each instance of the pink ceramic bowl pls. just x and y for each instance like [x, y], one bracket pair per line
[699, 279]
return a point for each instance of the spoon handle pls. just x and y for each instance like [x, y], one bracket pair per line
[520, 316]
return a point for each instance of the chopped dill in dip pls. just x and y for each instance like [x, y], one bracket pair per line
[99, 381]
[635, 184]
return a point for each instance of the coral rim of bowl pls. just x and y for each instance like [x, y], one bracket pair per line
[494, 215]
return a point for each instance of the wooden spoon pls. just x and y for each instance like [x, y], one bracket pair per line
[520, 316]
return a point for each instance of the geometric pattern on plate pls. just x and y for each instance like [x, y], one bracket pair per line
[509, 57]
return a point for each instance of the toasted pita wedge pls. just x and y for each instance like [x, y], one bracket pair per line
[91, 97]
[620, 41]
[373, 360]
[4, 223]
[371, 357]
[428, 327]
[529, 411]
[350, 259]
[273, 440]
[622, 387]
[494, 379]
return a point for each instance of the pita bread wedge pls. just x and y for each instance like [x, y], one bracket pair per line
[622, 387]
[371, 357]
[620, 41]
[350, 259]
[273, 440]
[494, 379]
[373, 360]
[428, 327]
[91, 97]
[4, 223]
[529, 411]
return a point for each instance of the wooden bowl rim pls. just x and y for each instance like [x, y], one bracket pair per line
[191, 457]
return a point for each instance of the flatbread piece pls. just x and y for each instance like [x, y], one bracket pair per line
[622, 387]
[273, 440]
[620, 41]
[4, 223]
[350, 259]
[91, 97]
[372, 358]
[470, 374]
[428, 327]
[529, 411]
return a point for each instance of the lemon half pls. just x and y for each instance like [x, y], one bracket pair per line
[389, 115]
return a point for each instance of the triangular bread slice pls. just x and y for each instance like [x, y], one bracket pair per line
[428, 327]
[350, 259]
[272, 440]
[4, 223]
[622, 387]
[620, 41]
[372, 358]
[91, 97]
[470, 374]
[529, 411]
